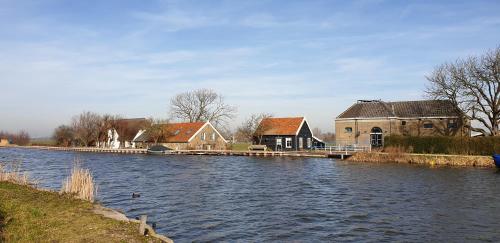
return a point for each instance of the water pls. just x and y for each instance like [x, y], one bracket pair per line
[203, 198]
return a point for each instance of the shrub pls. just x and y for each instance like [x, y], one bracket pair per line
[445, 145]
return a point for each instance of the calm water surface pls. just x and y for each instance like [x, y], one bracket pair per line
[201, 198]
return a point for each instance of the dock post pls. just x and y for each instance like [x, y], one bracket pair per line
[142, 225]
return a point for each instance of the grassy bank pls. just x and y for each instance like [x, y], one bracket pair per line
[31, 215]
[425, 159]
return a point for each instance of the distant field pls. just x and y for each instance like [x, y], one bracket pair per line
[43, 142]
[240, 146]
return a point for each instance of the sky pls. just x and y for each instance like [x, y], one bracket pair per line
[289, 58]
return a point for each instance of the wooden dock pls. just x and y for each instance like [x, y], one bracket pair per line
[310, 154]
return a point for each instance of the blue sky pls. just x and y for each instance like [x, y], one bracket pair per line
[289, 58]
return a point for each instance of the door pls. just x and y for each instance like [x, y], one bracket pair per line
[301, 142]
[376, 137]
[279, 146]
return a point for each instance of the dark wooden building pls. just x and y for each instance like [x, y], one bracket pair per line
[284, 134]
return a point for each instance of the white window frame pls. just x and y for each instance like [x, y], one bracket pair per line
[213, 136]
[309, 142]
[287, 144]
[301, 142]
[203, 136]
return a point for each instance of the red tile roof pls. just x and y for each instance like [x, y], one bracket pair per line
[181, 132]
[280, 126]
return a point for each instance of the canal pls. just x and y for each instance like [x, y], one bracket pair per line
[210, 198]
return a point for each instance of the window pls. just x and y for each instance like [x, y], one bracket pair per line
[203, 136]
[309, 142]
[452, 125]
[348, 129]
[428, 125]
[288, 142]
[403, 123]
[278, 141]
[213, 136]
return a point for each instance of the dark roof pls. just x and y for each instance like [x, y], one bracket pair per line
[128, 128]
[406, 109]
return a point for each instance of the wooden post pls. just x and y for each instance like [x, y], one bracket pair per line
[142, 225]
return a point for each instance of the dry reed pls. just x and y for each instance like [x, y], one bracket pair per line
[80, 184]
[13, 174]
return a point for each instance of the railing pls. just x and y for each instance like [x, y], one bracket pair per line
[344, 148]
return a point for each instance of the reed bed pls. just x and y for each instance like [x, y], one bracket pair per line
[80, 184]
[398, 156]
[11, 173]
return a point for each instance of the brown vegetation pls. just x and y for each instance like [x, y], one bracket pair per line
[397, 156]
[80, 184]
[10, 172]
[21, 138]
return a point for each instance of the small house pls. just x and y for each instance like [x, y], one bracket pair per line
[284, 134]
[185, 136]
[4, 142]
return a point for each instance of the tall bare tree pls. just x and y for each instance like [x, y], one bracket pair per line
[86, 127]
[473, 85]
[251, 128]
[201, 105]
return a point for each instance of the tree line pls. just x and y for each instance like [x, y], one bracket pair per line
[21, 138]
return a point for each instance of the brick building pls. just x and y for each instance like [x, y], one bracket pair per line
[369, 121]
[186, 136]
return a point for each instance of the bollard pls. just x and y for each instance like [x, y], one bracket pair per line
[142, 225]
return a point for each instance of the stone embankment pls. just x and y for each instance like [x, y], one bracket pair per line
[424, 159]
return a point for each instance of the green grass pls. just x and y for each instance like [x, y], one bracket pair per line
[240, 146]
[30, 215]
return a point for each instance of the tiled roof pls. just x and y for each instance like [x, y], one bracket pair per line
[280, 126]
[175, 132]
[406, 109]
[180, 132]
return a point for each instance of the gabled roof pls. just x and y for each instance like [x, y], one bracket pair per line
[179, 132]
[281, 126]
[403, 109]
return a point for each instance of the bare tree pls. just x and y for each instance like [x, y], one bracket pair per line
[473, 85]
[86, 127]
[21, 138]
[252, 127]
[201, 105]
[64, 135]
[325, 136]
[106, 122]
[156, 130]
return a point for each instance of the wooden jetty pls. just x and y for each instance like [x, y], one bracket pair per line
[318, 153]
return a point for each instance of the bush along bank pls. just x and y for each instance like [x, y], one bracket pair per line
[486, 146]
[424, 159]
[28, 214]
